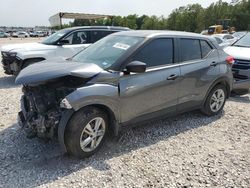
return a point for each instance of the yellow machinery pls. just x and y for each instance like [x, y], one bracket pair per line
[221, 27]
[215, 29]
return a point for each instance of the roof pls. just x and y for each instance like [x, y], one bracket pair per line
[99, 27]
[221, 34]
[153, 33]
[213, 26]
[56, 19]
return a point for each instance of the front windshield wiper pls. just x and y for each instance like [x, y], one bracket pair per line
[69, 59]
[44, 43]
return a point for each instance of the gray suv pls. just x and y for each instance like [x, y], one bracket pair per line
[122, 79]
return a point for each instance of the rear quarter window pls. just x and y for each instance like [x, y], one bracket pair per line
[205, 48]
[219, 41]
[97, 35]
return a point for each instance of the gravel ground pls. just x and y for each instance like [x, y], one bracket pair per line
[189, 150]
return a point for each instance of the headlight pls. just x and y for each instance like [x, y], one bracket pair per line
[4, 54]
[9, 54]
[12, 54]
[65, 104]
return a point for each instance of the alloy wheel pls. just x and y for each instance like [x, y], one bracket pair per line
[92, 134]
[217, 100]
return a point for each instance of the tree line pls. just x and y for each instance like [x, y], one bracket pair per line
[192, 18]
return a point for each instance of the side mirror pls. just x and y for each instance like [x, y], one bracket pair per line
[63, 42]
[136, 67]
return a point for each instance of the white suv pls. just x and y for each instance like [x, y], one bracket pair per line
[64, 43]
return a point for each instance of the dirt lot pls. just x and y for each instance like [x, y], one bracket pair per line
[189, 150]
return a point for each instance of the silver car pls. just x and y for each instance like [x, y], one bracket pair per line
[224, 40]
[240, 50]
[122, 79]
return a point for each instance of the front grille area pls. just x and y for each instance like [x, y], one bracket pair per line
[241, 69]
[241, 64]
[7, 60]
[240, 77]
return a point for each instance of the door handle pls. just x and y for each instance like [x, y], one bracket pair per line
[172, 77]
[213, 64]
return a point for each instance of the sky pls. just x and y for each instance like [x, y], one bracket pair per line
[37, 12]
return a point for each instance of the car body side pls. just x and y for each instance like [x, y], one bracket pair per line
[121, 93]
[134, 97]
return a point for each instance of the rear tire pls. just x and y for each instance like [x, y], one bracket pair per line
[83, 136]
[215, 101]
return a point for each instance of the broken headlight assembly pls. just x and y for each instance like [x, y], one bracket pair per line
[65, 104]
[12, 54]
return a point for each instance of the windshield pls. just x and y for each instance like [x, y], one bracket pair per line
[239, 34]
[218, 40]
[244, 41]
[54, 37]
[108, 50]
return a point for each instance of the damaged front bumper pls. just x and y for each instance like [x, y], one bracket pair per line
[41, 129]
[38, 125]
[58, 129]
[241, 87]
[22, 115]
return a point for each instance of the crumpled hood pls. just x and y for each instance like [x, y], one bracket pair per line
[26, 47]
[241, 53]
[48, 70]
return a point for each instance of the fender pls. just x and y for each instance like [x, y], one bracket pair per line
[65, 117]
[96, 94]
[35, 54]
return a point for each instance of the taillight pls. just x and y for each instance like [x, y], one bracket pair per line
[230, 60]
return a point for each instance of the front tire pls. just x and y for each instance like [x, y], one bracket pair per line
[215, 100]
[86, 132]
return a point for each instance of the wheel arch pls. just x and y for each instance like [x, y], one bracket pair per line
[113, 122]
[35, 59]
[68, 114]
[224, 81]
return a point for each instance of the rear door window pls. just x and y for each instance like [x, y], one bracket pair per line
[97, 35]
[157, 52]
[190, 49]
